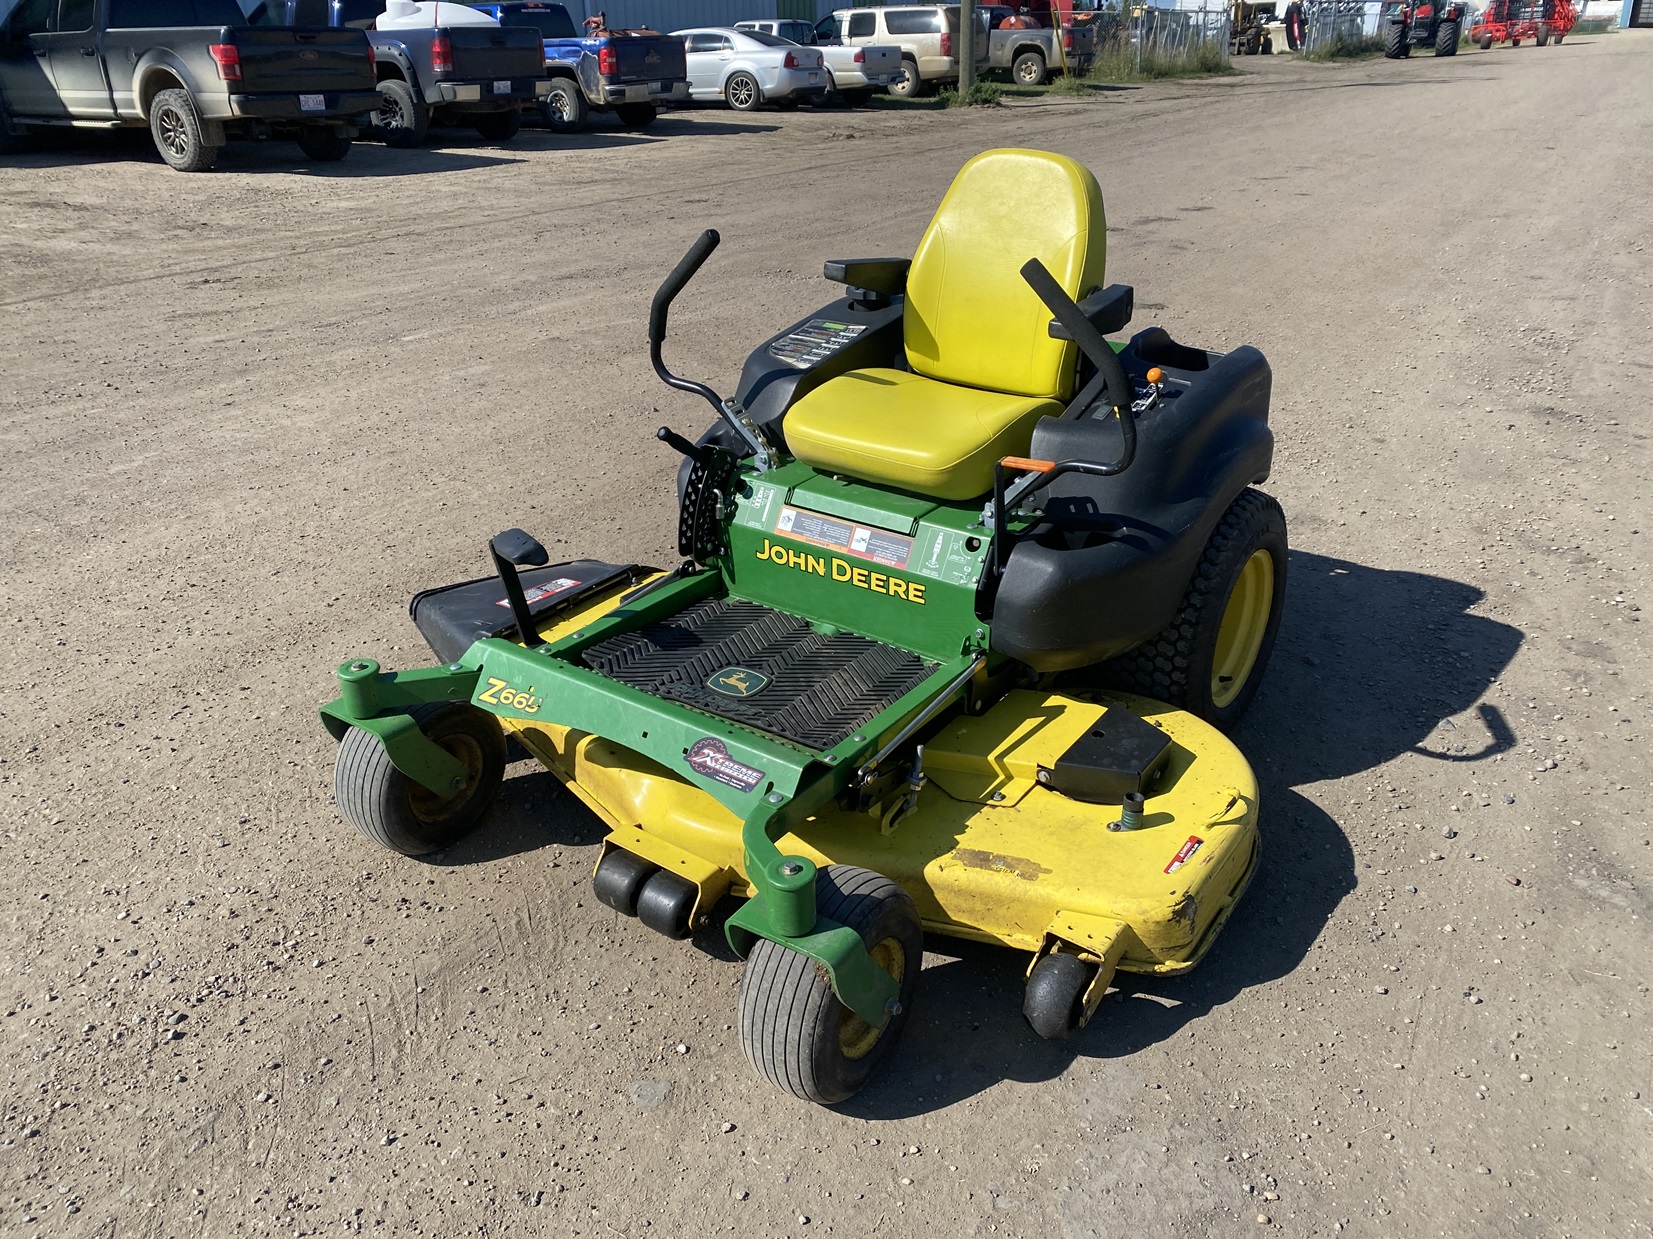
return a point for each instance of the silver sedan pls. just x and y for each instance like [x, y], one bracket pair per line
[747, 68]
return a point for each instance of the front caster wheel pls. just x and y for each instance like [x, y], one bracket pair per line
[619, 880]
[1055, 1000]
[792, 1026]
[665, 903]
[404, 816]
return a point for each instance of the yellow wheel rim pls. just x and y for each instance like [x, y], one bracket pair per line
[430, 808]
[856, 1037]
[1245, 620]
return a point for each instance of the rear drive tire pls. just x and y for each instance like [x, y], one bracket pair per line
[1446, 38]
[176, 127]
[401, 121]
[742, 92]
[827, 97]
[1210, 658]
[565, 109]
[10, 143]
[1029, 70]
[1054, 1002]
[635, 115]
[794, 1030]
[498, 126]
[1394, 41]
[324, 143]
[907, 84]
[397, 813]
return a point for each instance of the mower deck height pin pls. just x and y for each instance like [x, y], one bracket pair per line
[1130, 812]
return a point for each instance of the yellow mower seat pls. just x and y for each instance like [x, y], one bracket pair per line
[984, 368]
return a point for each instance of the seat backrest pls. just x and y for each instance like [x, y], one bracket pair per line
[970, 318]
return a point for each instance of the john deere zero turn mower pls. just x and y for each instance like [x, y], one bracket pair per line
[967, 597]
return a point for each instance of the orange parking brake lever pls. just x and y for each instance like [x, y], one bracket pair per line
[1023, 465]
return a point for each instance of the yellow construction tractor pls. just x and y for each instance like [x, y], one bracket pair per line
[1248, 25]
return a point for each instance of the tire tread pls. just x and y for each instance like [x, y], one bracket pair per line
[1160, 667]
[787, 1007]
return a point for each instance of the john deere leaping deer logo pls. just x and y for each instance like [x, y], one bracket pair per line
[738, 682]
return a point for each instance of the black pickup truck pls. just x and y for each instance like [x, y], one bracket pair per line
[191, 70]
[431, 71]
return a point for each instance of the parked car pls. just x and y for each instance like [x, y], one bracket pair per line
[1031, 53]
[853, 74]
[190, 70]
[465, 71]
[628, 72]
[926, 34]
[747, 68]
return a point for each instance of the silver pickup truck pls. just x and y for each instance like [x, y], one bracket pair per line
[854, 74]
[1033, 54]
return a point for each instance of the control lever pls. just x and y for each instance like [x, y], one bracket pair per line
[511, 549]
[1091, 341]
[682, 446]
[738, 420]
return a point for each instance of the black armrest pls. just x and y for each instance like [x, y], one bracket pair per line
[1108, 310]
[878, 275]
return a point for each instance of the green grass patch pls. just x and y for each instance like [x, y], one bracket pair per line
[1068, 84]
[979, 95]
[1347, 47]
[1118, 62]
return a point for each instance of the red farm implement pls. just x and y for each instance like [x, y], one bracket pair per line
[1511, 21]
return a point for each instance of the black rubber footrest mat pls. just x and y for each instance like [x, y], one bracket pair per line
[763, 668]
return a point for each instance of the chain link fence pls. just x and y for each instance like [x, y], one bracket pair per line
[1328, 24]
[1155, 42]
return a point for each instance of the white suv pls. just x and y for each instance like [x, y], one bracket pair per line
[926, 34]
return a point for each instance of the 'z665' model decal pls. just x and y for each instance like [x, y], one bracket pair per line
[499, 693]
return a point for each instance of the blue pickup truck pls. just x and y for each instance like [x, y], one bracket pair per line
[630, 73]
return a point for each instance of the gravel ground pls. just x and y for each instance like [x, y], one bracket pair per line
[246, 415]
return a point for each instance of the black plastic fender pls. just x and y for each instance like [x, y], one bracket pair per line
[1107, 566]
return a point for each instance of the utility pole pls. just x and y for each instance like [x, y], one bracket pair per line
[967, 46]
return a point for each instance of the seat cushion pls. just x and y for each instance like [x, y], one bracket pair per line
[910, 432]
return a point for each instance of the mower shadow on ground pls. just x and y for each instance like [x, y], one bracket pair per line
[1369, 664]
[532, 812]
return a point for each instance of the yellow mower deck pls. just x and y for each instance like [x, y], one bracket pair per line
[988, 853]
